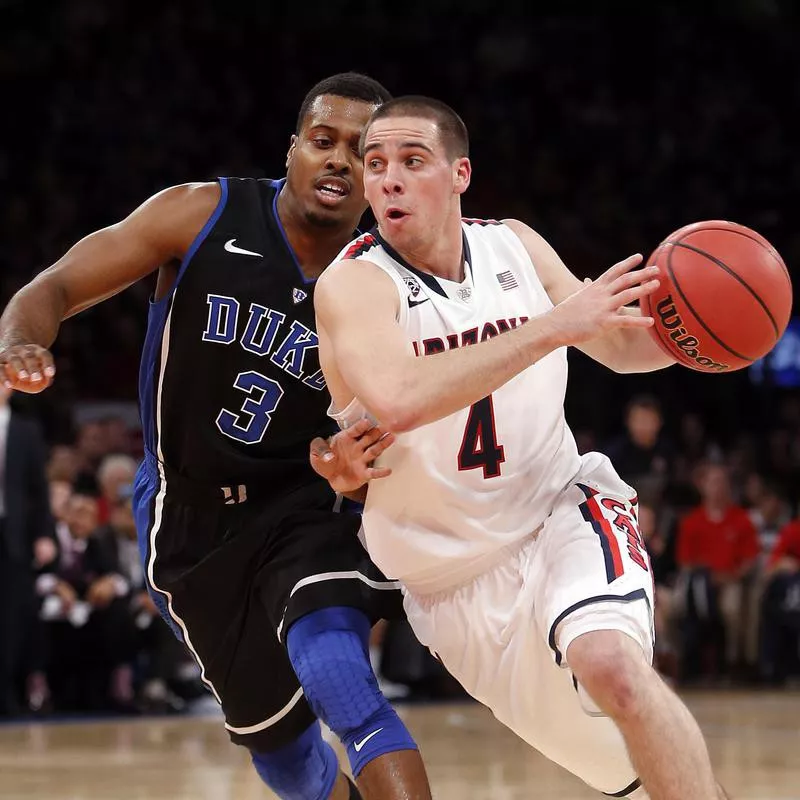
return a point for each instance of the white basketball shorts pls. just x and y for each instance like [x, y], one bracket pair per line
[504, 635]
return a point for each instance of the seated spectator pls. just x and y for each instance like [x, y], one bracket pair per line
[134, 632]
[661, 549]
[716, 548]
[769, 514]
[780, 626]
[115, 471]
[643, 456]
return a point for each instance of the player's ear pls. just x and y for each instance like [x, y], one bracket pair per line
[292, 146]
[462, 174]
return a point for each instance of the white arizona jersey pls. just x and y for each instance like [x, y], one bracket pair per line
[473, 483]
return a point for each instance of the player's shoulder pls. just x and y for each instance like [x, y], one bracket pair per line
[360, 247]
[481, 223]
[187, 198]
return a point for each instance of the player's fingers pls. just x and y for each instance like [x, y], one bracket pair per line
[636, 293]
[620, 268]
[321, 450]
[373, 473]
[370, 438]
[634, 277]
[383, 443]
[631, 321]
[34, 365]
[360, 428]
[15, 369]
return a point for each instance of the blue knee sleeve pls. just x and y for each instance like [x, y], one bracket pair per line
[306, 769]
[329, 650]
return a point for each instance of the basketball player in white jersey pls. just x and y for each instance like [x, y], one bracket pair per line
[523, 563]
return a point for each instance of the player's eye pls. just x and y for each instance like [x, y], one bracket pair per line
[323, 141]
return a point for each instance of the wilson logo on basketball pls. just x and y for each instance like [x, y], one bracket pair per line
[671, 320]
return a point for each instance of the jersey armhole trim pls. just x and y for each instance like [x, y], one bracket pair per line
[204, 231]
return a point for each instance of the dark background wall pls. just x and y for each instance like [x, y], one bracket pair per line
[605, 133]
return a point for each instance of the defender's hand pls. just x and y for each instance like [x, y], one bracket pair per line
[26, 367]
[346, 460]
[598, 306]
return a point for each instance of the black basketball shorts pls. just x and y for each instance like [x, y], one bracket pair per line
[231, 578]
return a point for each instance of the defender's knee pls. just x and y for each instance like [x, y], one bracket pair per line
[612, 669]
[305, 769]
[329, 652]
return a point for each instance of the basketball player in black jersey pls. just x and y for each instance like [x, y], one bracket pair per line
[266, 585]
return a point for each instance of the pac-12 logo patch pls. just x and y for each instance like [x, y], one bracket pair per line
[413, 285]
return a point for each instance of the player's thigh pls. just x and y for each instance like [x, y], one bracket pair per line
[589, 568]
[201, 571]
[487, 636]
[542, 704]
[321, 563]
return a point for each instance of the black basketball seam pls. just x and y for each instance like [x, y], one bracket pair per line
[724, 266]
[697, 316]
[766, 245]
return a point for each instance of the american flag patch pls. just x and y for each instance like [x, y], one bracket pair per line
[507, 280]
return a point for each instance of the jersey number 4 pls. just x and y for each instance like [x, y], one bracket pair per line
[479, 447]
[250, 423]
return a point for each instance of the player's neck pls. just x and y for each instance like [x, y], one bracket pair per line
[314, 247]
[441, 255]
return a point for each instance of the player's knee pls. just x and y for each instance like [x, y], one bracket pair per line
[329, 652]
[305, 769]
[612, 668]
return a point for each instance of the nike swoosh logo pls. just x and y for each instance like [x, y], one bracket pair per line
[412, 303]
[231, 248]
[359, 745]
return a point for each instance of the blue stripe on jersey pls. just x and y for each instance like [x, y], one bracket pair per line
[278, 185]
[156, 319]
[144, 492]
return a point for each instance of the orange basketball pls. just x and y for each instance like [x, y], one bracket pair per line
[725, 296]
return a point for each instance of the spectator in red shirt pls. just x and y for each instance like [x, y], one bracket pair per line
[780, 621]
[719, 539]
[785, 556]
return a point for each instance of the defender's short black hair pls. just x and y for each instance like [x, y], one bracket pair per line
[352, 85]
[452, 130]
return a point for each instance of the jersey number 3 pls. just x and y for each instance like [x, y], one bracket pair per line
[479, 447]
[250, 423]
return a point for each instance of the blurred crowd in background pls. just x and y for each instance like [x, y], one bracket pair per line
[603, 141]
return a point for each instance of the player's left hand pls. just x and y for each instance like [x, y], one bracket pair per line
[345, 460]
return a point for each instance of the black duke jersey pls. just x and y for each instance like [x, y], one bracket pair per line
[230, 386]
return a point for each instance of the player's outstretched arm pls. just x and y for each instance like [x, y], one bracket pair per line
[364, 351]
[97, 267]
[621, 348]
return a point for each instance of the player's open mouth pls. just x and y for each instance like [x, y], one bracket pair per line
[395, 214]
[332, 191]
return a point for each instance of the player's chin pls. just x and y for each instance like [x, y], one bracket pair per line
[332, 216]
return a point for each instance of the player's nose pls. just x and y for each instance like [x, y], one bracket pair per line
[392, 184]
[338, 159]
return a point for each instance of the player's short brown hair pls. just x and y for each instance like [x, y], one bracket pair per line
[452, 130]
